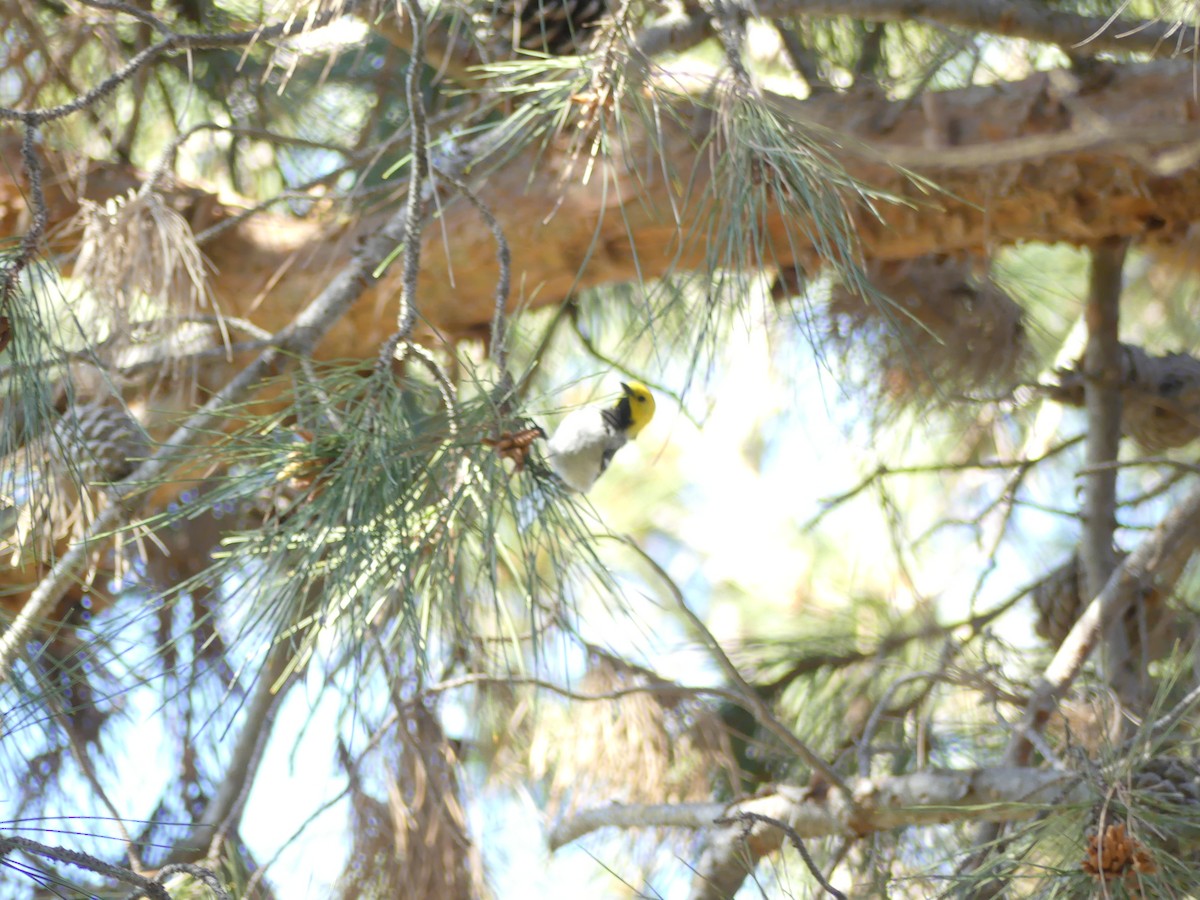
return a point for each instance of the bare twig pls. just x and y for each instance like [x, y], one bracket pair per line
[407, 316]
[84, 861]
[828, 504]
[499, 338]
[660, 686]
[141, 15]
[754, 703]
[934, 796]
[752, 817]
[84, 760]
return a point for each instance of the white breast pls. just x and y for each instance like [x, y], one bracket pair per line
[578, 450]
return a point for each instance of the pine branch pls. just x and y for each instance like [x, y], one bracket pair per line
[935, 796]
[1084, 35]
[296, 339]
[171, 45]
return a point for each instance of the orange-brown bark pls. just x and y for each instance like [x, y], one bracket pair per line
[1043, 159]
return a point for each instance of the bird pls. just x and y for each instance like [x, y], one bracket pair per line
[584, 444]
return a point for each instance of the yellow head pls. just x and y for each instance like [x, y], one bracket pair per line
[636, 407]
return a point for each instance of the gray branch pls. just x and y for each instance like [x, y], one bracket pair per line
[932, 797]
[1102, 399]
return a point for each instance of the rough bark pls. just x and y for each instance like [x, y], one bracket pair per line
[1037, 160]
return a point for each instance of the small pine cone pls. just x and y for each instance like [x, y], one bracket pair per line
[1160, 397]
[1058, 601]
[556, 27]
[1169, 789]
[1161, 408]
[1169, 781]
[100, 442]
[1060, 598]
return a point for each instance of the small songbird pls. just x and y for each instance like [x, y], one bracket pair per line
[584, 444]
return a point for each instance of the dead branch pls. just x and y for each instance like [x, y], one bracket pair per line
[935, 796]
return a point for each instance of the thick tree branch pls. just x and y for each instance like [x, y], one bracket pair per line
[1102, 399]
[1017, 162]
[1083, 35]
[932, 797]
[144, 885]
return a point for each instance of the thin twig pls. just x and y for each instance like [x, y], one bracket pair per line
[657, 687]
[223, 812]
[84, 761]
[828, 504]
[140, 14]
[762, 713]
[499, 336]
[751, 817]
[84, 861]
[407, 316]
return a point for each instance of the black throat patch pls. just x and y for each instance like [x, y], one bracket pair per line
[619, 417]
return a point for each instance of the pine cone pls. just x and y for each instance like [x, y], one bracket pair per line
[1161, 408]
[1160, 397]
[1169, 782]
[1166, 792]
[556, 27]
[1058, 601]
[100, 441]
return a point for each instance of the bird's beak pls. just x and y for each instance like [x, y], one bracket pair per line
[627, 389]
